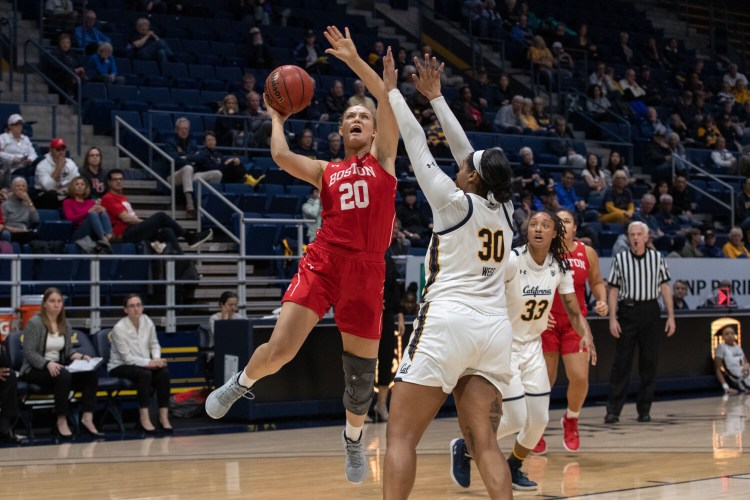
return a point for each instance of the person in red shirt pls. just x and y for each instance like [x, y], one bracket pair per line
[127, 226]
[345, 266]
[562, 339]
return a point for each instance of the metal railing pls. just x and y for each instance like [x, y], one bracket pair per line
[693, 167]
[119, 122]
[45, 56]
[9, 44]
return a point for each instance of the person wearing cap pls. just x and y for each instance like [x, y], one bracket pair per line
[259, 54]
[87, 36]
[53, 174]
[16, 150]
[709, 247]
[309, 55]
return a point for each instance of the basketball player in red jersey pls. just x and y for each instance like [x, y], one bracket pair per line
[562, 339]
[345, 266]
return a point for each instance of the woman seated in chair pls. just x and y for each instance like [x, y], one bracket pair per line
[47, 350]
[88, 216]
[136, 356]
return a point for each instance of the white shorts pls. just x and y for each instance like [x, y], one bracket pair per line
[529, 371]
[451, 340]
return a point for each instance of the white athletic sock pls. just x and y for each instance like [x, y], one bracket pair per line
[572, 414]
[246, 381]
[353, 433]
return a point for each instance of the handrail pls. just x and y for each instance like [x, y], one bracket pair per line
[153, 147]
[693, 166]
[617, 116]
[11, 48]
[75, 101]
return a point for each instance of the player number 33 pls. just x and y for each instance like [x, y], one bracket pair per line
[354, 195]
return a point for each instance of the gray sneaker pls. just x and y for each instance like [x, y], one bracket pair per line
[222, 398]
[355, 465]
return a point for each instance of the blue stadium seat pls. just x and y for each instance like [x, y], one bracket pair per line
[178, 74]
[284, 204]
[205, 74]
[272, 189]
[51, 230]
[256, 202]
[300, 191]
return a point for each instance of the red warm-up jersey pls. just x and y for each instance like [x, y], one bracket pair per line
[359, 205]
[579, 266]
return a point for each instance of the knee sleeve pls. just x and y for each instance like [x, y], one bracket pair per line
[359, 382]
[536, 422]
[514, 417]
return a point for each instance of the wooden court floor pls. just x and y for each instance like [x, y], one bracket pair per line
[694, 448]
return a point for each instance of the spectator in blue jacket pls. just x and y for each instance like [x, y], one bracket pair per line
[87, 36]
[709, 247]
[566, 193]
[102, 65]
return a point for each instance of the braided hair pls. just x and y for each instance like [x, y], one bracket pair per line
[557, 247]
[495, 174]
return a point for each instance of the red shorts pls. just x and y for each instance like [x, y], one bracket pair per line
[561, 338]
[351, 282]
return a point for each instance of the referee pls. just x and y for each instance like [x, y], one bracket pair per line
[635, 279]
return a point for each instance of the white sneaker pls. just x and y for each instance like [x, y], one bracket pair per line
[222, 398]
[355, 463]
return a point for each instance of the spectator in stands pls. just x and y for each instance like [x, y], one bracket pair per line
[566, 193]
[741, 92]
[657, 157]
[725, 94]
[230, 125]
[730, 130]
[742, 211]
[685, 107]
[335, 102]
[615, 91]
[16, 150]
[546, 199]
[259, 54]
[718, 296]
[334, 150]
[436, 139]
[631, 90]
[508, 118]
[259, 127]
[47, 350]
[93, 173]
[678, 153]
[312, 209]
[707, 134]
[618, 201]
[136, 356]
[722, 160]
[53, 174]
[541, 115]
[87, 36]
[182, 149]
[735, 248]
[730, 362]
[375, 57]
[622, 243]
[60, 14]
[679, 292]
[527, 175]
[651, 124]
[563, 61]
[645, 214]
[250, 84]
[400, 244]
[683, 197]
[310, 56]
[521, 36]
[601, 78]
[102, 65]
[130, 228]
[692, 244]
[501, 94]
[623, 50]
[670, 224]
[652, 54]
[145, 44]
[562, 146]
[19, 213]
[614, 164]
[509, 13]
[88, 216]
[416, 225]
[592, 174]
[542, 60]
[709, 248]
[677, 125]
[409, 301]
[673, 55]
[407, 85]
[597, 104]
[227, 310]
[467, 111]
[306, 144]
[732, 76]
[481, 89]
[70, 62]
[528, 121]
[584, 43]
[359, 98]
[209, 158]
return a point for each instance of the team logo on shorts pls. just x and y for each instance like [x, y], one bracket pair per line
[404, 369]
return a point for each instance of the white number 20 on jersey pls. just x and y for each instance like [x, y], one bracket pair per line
[354, 195]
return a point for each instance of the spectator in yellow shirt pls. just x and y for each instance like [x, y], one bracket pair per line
[735, 248]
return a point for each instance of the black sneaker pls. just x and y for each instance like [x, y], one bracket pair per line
[611, 418]
[195, 239]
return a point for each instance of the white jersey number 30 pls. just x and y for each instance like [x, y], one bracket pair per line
[354, 195]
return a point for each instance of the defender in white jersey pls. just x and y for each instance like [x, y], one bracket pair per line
[462, 336]
[534, 273]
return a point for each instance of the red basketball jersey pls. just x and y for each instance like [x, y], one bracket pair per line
[579, 266]
[359, 205]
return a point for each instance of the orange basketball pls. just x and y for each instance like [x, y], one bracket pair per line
[289, 89]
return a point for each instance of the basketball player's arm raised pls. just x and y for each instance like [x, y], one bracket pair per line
[299, 166]
[579, 323]
[596, 283]
[386, 138]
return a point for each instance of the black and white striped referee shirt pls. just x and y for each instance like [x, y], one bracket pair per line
[638, 278]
